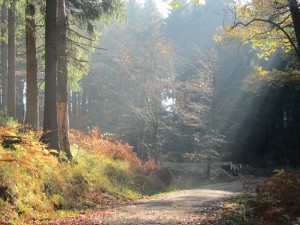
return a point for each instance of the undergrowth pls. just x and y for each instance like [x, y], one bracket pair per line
[34, 184]
[275, 202]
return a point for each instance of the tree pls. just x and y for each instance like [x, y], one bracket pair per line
[268, 25]
[50, 127]
[82, 35]
[56, 125]
[11, 96]
[4, 55]
[131, 91]
[271, 27]
[31, 117]
[294, 11]
[62, 80]
[195, 94]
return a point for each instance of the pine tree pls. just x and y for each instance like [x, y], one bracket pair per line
[31, 118]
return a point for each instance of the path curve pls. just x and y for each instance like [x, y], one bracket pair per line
[180, 207]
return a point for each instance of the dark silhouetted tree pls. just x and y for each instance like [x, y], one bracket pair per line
[4, 55]
[50, 127]
[32, 116]
[11, 96]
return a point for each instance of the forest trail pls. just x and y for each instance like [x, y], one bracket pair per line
[197, 206]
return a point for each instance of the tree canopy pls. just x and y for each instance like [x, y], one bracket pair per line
[267, 25]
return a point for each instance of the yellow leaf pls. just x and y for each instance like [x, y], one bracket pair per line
[175, 4]
[217, 38]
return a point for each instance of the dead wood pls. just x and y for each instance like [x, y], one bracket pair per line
[9, 140]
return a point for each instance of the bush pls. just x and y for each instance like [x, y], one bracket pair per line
[7, 121]
[33, 182]
[278, 199]
[116, 150]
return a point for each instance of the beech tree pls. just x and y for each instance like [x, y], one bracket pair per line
[195, 91]
[130, 95]
[268, 25]
[271, 27]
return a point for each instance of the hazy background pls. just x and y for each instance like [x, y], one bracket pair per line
[164, 86]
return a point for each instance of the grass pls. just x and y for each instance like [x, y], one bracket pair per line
[238, 210]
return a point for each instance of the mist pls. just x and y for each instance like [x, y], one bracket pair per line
[164, 86]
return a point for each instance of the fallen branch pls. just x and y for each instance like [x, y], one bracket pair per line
[9, 140]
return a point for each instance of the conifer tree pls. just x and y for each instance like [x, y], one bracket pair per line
[4, 55]
[31, 117]
[50, 127]
[11, 96]
[62, 80]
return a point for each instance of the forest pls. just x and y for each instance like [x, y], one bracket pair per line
[105, 103]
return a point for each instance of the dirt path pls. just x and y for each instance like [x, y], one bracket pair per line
[180, 207]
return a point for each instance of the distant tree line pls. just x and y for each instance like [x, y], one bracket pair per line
[164, 92]
[145, 92]
[179, 105]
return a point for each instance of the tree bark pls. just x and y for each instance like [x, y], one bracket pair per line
[11, 94]
[74, 105]
[50, 132]
[32, 116]
[4, 57]
[62, 81]
[294, 10]
[20, 106]
[84, 100]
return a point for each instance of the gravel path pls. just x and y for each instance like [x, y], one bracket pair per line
[180, 207]
[198, 206]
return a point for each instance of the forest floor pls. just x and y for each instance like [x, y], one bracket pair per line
[203, 206]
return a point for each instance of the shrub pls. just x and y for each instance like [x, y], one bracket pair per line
[7, 121]
[278, 199]
[116, 150]
[32, 181]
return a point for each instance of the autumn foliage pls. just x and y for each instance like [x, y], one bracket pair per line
[277, 201]
[115, 149]
[34, 182]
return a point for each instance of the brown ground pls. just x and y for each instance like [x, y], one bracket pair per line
[197, 206]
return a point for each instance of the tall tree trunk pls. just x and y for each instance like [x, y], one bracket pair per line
[32, 115]
[20, 95]
[294, 9]
[11, 94]
[50, 135]
[84, 100]
[4, 56]
[70, 104]
[62, 81]
[74, 105]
